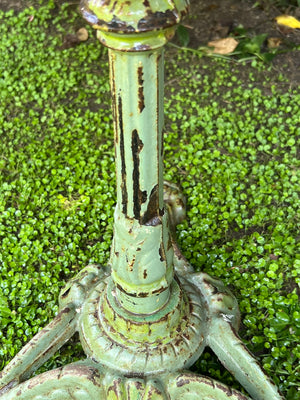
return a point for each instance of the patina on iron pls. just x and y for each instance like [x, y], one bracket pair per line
[147, 317]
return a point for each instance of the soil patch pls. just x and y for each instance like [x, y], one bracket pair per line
[216, 19]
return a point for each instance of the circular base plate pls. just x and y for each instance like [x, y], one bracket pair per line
[144, 344]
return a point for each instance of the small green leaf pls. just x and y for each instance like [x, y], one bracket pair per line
[183, 35]
[4, 309]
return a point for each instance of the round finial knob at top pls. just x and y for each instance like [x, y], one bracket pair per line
[133, 16]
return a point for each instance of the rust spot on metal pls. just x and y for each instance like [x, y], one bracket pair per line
[144, 196]
[215, 289]
[93, 378]
[142, 47]
[113, 7]
[160, 141]
[240, 396]
[162, 253]
[87, 14]
[150, 21]
[65, 311]
[114, 100]
[158, 20]
[142, 294]
[139, 385]
[150, 216]
[182, 382]
[66, 293]
[115, 25]
[153, 222]
[159, 138]
[220, 297]
[123, 164]
[115, 388]
[138, 195]
[141, 97]
[130, 265]
[224, 389]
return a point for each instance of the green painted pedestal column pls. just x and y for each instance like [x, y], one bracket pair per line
[148, 317]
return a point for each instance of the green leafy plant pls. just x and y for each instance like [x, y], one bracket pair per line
[252, 46]
[232, 137]
[183, 35]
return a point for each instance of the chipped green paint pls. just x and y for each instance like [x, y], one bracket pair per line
[142, 273]
[147, 317]
[133, 16]
[119, 22]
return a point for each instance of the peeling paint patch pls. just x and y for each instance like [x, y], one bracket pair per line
[151, 216]
[162, 253]
[123, 163]
[158, 20]
[141, 97]
[138, 197]
[141, 47]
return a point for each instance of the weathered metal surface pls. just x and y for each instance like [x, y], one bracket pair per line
[75, 381]
[142, 272]
[191, 386]
[134, 388]
[77, 289]
[141, 326]
[133, 16]
[134, 25]
[175, 204]
[39, 349]
[172, 338]
[85, 381]
[45, 343]
[223, 316]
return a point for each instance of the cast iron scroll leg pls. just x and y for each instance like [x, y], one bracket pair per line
[235, 356]
[75, 381]
[187, 385]
[51, 338]
[224, 341]
[39, 349]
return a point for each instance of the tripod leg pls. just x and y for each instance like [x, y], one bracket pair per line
[223, 339]
[191, 386]
[39, 349]
[235, 356]
[45, 343]
[75, 381]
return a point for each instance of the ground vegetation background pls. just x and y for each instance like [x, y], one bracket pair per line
[231, 141]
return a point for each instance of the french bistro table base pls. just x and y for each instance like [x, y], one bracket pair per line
[147, 317]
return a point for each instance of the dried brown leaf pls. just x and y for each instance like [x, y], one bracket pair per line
[82, 34]
[223, 46]
[274, 43]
